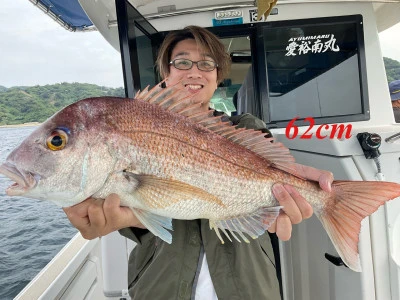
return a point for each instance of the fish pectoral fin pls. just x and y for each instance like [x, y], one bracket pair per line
[157, 192]
[254, 224]
[156, 224]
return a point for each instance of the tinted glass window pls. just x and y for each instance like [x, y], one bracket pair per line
[146, 59]
[313, 70]
[226, 95]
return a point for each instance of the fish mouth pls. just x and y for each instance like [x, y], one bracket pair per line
[24, 180]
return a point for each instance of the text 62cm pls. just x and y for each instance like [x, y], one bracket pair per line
[331, 131]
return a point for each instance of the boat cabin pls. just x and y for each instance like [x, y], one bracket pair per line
[313, 71]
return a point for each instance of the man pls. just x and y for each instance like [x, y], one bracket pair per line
[196, 265]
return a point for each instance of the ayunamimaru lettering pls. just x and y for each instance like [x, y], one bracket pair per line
[314, 44]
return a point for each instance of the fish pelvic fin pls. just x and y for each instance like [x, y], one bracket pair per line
[253, 225]
[351, 202]
[175, 99]
[156, 224]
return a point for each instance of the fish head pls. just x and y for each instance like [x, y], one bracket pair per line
[66, 159]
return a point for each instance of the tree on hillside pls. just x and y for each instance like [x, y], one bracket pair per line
[392, 69]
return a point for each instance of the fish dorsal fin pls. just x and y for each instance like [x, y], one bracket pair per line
[173, 98]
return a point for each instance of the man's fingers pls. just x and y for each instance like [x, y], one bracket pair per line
[96, 215]
[78, 214]
[78, 210]
[325, 178]
[79, 223]
[116, 216]
[325, 181]
[272, 227]
[304, 207]
[112, 207]
[295, 209]
[283, 227]
[289, 205]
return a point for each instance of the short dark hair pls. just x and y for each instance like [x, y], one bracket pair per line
[205, 39]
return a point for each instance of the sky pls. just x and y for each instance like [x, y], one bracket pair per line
[390, 42]
[35, 50]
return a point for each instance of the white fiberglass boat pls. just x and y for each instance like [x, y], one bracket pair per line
[316, 59]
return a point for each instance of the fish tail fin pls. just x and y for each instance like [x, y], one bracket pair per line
[350, 203]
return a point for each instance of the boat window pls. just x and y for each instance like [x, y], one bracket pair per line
[225, 97]
[139, 41]
[313, 70]
[146, 59]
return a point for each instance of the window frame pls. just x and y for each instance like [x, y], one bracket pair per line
[262, 75]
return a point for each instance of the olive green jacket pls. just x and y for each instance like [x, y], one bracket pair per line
[158, 270]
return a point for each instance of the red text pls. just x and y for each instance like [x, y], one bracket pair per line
[323, 131]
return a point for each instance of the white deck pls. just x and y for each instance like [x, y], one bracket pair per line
[77, 271]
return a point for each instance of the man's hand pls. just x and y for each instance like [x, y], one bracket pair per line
[98, 217]
[295, 207]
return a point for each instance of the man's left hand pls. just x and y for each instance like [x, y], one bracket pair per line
[295, 207]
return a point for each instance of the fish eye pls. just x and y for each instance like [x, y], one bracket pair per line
[57, 140]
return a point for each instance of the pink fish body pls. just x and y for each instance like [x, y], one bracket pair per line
[167, 160]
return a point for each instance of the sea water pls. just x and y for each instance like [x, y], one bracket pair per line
[32, 232]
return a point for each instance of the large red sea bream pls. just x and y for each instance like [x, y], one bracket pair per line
[166, 159]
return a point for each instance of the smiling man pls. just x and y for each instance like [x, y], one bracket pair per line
[196, 61]
[196, 265]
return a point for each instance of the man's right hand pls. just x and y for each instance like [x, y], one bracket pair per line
[98, 217]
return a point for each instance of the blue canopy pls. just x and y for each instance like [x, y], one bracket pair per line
[69, 12]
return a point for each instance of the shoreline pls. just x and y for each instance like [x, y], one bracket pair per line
[20, 125]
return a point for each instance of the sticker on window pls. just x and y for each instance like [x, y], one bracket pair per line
[313, 44]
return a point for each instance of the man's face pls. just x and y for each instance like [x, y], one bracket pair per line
[200, 83]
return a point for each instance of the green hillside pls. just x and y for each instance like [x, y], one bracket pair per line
[35, 104]
[392, 69]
